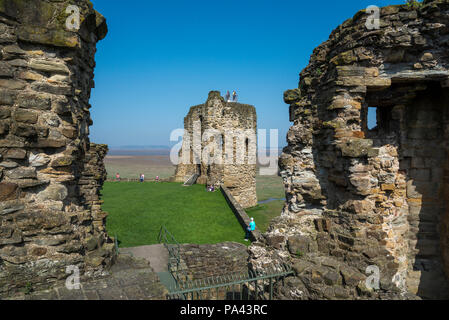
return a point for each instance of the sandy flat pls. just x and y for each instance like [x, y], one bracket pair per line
[118, 157]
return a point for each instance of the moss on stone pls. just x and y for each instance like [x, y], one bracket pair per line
[292, 96]
[58, 38]
[307, 112]
[332, 124]
[355, 147]
[344, 58]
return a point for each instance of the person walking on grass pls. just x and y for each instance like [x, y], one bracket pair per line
[251, 227]
[117, 177]
[142, 177]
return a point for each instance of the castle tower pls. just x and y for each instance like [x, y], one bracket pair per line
[220, 145]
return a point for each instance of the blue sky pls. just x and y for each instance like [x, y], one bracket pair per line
[161, 57]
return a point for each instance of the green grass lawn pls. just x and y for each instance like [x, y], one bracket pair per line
[269, 187]
[192, 215]
[264, 213]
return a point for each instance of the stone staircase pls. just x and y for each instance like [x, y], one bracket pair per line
[192, 180]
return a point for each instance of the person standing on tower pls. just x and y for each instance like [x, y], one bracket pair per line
[228, 97]
[234, 96]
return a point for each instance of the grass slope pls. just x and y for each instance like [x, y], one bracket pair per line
[269, 187]
[192, 215]
[264, 213]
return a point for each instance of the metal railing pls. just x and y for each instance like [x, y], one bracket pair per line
[174, 261]
[247, 286]
[252, 285]
[117, 249]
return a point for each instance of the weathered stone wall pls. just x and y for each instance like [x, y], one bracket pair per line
[206, 263]
[226, 118]
[240, 214]
[212, 260]
[91, 182]
[358, 197]
[50, 174]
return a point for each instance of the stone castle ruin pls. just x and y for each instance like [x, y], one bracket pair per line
[50, 174]
[224, 132]
[367, 212]
[363, 200]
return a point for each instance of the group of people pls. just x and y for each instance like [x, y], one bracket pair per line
[234, 96]
[141, 178]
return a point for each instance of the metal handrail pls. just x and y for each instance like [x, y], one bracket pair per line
[236, 278]
[173, 247]
[164, 231]
[169, 243]
[185, 287]
[233, 280]
[117, 249]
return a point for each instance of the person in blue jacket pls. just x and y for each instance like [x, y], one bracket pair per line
[251, 227]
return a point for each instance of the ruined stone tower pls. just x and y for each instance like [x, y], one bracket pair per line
[357, 198]
[226, 130]
[50, 174]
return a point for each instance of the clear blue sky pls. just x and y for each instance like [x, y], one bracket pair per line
[161, 57]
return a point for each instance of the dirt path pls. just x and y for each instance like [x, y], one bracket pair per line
[156, 255]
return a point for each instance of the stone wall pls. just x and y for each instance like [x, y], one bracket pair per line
[240, 214]
[204, 264]
[360, 197]
[212, 260]
[226, 118]
[50, 174]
